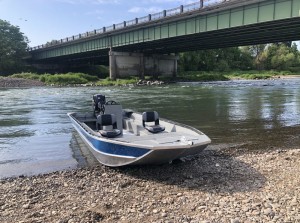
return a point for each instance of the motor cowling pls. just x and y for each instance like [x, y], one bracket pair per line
[99, 101]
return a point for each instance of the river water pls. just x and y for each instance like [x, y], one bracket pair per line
[36, 135]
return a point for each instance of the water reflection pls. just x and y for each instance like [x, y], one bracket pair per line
[35, 131]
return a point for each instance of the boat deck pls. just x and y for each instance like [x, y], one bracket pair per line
[164, 139]
[135, 134]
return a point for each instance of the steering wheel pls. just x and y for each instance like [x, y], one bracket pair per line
[111, 103]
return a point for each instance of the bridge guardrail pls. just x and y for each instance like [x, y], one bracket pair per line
[131, 22]
[157, 15]
[192, 7]
[174, 11]
[144, 19]
[99, 31]
[151, 17]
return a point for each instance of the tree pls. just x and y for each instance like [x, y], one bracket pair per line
[223, 59]
[13, 45]
[257, 52]
[281, 57]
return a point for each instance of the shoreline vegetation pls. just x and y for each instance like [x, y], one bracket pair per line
[82, 79]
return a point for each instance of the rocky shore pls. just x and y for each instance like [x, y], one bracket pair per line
[6, 82]
[214, 186]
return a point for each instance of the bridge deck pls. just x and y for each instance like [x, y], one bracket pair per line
[230, 23]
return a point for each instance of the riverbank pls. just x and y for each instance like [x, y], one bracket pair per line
[211, 187]
[288, 76]
[8, 82]
[81, 79]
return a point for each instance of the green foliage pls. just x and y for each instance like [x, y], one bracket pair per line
[251, 76]
[118, 82]
[59, 79]
[215, 60]
[13, 46]
[223, 76]
[279, 56]
[282, 57]
[69, 78]
[31, 76]
[202, 76]
[272, 57]
[254, 74]
[63, 79]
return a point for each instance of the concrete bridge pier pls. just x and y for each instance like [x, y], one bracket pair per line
[126, 64]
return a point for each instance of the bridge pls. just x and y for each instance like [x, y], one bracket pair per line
[149, 45]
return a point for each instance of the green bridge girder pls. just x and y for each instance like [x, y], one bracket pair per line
[233, 23]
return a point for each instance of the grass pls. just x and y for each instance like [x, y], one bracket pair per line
[118, 82]
[59, 79]
[223, 76]
[75, 79]
[31, 76]
[81, 78]
[201, 76]
[256, 75]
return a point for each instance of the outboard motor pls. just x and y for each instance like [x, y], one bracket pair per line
[99, 104]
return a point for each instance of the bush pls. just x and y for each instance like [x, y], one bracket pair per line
[31, 76]
[202, 76]
[59, 79]
[69, 78]
[119, 82]
[295, 69]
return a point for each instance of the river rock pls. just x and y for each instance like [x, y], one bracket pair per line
[162, 193]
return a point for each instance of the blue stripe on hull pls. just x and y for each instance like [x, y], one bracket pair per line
[112, 148]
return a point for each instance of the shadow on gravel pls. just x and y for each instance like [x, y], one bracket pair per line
[210, 171]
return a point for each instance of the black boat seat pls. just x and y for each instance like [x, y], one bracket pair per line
[107, 125]
[152, 116]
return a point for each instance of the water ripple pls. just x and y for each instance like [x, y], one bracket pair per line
[35, 130]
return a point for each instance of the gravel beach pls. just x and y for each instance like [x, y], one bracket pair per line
[214, 186]
[7, 82]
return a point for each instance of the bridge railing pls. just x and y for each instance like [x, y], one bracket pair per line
[144, 19]
[192, 7]
[131, 22]
[158, 15]
[77, 37]
[174, 11]
[209, 3]
[119, 26]
[201, 4]
[99, 31]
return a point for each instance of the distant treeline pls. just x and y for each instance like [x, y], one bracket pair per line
[279, 57]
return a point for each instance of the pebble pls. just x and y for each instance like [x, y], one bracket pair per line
[155, 211]
[239, 189]
[235, 220]
[25, 206]
[164, 215]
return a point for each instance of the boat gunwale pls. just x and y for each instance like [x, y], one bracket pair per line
[98, 137]
[98, 151]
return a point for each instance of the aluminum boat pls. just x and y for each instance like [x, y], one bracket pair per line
[119, 137]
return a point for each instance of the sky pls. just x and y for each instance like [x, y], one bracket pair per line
[45, 20]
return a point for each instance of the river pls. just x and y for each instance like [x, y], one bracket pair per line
[36, 135]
